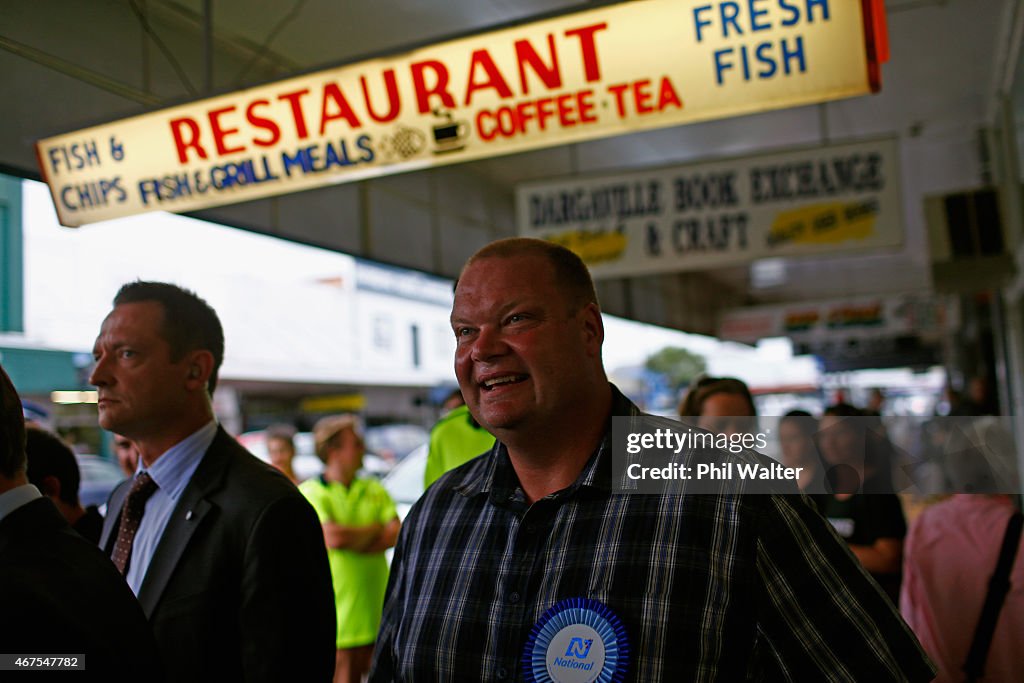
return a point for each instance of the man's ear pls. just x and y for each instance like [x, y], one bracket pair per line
[593, 328]
[199, 369]
[50, 487]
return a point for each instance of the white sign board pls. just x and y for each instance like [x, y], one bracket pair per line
[918, 315]
[721, 213]
[598, 73]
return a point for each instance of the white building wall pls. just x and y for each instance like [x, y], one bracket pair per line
[293, 313]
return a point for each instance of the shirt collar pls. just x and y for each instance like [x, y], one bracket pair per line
[173, 470]
[16, 497]
[496, 476]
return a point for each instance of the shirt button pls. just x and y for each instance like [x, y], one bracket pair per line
[513, 597]
[502, 673]
[531, 528]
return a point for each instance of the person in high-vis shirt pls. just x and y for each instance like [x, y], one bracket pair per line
[359, 522]
[455, 439]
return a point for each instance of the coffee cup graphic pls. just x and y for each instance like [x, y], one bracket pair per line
[449, 135]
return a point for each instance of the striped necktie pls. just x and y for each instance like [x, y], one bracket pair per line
[131, 516]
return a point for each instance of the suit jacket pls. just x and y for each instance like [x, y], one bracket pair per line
[238, 588]
[59, 595]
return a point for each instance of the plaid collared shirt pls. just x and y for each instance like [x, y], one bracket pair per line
[709, 588]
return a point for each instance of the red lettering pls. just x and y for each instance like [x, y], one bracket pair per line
[181, 144]
[220, 133]
[545, 110]
[668, 95]
[394, 104]
[332, 93]
[549, 75]
[642, 94]
[565, 110]
[620, 104]
[485, 135]
[588, 49]
[260, 122]
[439, 89]
[494, 80]
[586, 106]
[507, 122]
[524, 112]
[300, 120]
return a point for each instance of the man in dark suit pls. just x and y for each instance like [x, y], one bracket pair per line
[226, 556]
[59, 595]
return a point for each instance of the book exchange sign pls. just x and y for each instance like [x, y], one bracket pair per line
[720, 213]
[592, 74]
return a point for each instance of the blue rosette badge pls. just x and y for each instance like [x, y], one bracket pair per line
[578, 640]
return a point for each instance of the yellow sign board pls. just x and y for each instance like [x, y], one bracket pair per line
[338, 403]
[592, 74]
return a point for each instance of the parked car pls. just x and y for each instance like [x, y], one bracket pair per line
[405, 480]
[99, 476]
[395, 441]
[405, 484]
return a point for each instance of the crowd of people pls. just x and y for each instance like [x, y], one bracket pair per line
[519, 562]
[939, 572]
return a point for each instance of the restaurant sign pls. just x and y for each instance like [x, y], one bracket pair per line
[581, 76]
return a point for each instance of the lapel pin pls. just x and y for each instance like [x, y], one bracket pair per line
[188, 516]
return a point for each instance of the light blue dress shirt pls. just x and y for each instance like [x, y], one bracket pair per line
[172, 471]
[16, 497]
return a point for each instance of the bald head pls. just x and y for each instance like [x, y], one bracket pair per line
[12, 430]
[570, 273]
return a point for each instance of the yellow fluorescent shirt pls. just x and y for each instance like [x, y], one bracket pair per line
[359, 578]
[454, 440]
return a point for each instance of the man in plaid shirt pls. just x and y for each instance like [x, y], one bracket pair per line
[524, 564]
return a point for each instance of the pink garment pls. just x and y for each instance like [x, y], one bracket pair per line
[949, 556]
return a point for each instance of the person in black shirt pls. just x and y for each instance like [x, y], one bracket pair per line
[860, 503]
[53, 470]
